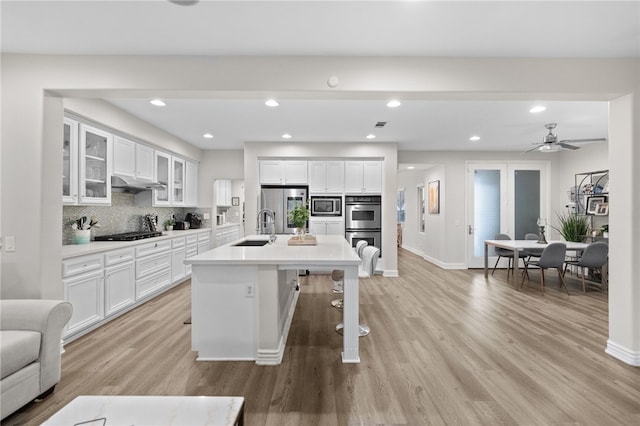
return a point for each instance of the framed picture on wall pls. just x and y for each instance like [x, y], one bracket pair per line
[235, 201]
[434, 197]
[592, 203]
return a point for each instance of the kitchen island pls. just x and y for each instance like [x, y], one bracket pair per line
[243, 297]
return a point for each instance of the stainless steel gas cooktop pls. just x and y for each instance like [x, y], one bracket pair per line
[128, 236]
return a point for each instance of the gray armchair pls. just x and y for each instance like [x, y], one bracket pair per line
[30, 350]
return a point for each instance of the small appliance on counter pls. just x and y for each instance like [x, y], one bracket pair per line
[181, 226]
[194, 220]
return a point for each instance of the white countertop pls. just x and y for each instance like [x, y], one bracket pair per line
[73, 250]
[150, 410]
[330, 250]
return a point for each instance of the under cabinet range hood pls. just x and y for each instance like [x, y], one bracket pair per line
[133, 186]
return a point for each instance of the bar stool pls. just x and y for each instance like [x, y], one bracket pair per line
[370, 255]
[337, 276]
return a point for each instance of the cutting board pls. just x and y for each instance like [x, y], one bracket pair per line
[308, 240]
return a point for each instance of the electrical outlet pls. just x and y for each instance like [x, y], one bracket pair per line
[249, 290]
[206, 216]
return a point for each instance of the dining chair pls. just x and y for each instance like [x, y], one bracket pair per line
[594, 256]
[552, 257]
[370, 255]
[533, 252]
[506, 253]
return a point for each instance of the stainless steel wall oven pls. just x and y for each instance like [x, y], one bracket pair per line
[363, 219]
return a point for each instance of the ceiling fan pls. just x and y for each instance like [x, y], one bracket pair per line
[550, 142]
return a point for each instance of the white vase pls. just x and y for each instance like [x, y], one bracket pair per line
[82, 236]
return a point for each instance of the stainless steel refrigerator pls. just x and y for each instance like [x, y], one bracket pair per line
[280, 200]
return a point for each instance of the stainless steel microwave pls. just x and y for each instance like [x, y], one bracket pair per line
[326, 206]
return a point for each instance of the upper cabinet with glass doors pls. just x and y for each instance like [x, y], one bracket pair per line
[163, 176]
[70, 162]
[95, 165]
[177, 198]
[86, 164]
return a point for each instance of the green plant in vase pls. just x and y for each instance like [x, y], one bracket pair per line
[572, 227]
[299, 215]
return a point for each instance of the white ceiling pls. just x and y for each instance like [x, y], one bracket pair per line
[572, 29]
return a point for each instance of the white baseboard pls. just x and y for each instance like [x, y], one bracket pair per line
[623, 354]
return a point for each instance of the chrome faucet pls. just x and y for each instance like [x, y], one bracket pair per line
[260, 223]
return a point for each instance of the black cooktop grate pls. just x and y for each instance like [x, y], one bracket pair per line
[128, 236]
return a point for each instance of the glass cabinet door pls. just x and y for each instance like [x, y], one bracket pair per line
[163, 176]
[178, 181]
[95, 160]
[70, 162]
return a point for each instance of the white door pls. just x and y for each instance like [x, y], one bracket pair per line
[486, 208]
[503, 198]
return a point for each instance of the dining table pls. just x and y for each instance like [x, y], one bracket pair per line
[522, 245]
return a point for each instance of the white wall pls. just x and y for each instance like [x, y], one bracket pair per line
[386, 152]
[217, 164]
[32, 86]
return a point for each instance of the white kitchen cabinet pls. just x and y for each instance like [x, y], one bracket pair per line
[227, 234]
[70, 162]
[179, 173]
[326, 226]
[119, 287]
[180, 178]
[153, 267]
[132, 159]
[204, 242]
[190, 250]
[95, 150]
[86, 294]
[363, 177]
[191, 184]
[326, 177]
[164, 176]
[178, 254]
[281, 172]
[223, 192]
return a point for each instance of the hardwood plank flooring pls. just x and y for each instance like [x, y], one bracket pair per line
[446, 348]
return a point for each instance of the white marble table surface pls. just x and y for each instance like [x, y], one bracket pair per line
[111, 410]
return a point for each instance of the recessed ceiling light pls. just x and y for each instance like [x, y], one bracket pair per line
[371, 136]
[184, 2]
[538, 108]
[411, 167]
[158, 102]
[208, 136]
[393, 103]
[474, 138]
[272, 103]
[286, 136]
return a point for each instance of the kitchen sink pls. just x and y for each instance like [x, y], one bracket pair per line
[252, 243]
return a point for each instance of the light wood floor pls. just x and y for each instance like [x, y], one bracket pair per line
[446, 347]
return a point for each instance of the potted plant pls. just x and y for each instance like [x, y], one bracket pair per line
[573, 227]
[605, 230]
[82, 229]
[299, 216]
[169, 224]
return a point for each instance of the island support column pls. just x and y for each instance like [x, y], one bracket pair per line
[350, 318]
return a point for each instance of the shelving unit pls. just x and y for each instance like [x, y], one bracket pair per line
[591, 190]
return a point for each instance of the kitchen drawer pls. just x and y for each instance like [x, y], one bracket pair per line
[152, 283]
[153, 248]
[118, 256]
[192, 239]
[178, 242]
[192, 250]
[81, 264]
[204, 236]
[152, 264]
